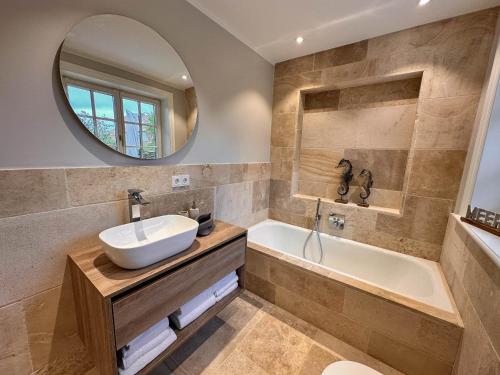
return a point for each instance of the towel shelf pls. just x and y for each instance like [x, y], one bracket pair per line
[115, 305]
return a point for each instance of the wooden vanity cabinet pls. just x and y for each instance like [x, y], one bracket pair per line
[114, 305]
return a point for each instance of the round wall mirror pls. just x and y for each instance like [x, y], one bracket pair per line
[128, 86]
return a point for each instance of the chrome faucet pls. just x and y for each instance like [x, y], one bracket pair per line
[135, 202]
[336, 219]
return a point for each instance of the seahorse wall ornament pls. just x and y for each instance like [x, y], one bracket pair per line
[346, 176]
[366, 182]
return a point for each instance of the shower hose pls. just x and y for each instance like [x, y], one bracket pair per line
[315, 229]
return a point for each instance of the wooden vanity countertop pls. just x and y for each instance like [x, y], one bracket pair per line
[110, 280]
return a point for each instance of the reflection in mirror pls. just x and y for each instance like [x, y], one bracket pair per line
[128, 86]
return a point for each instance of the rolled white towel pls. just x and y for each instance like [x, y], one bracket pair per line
[143, 360]
[224, 282]
[182, 320]
[144, 338]
[193, 303]
[126, 361]
[226, 291]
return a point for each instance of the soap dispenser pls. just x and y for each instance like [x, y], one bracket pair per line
[194, 211]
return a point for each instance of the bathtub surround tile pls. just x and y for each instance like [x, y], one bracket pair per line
[30, 191]
[283, 130]
[446, 123]
[260, 195]
[322, 101]
[475, 283]
[260, 286]
[436, 173]
[340, 56]
[14, 350]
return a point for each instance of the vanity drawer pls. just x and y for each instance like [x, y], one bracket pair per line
[139, 310]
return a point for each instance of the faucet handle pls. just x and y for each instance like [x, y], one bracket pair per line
[135, 191]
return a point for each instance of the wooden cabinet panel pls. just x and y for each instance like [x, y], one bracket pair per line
[140, 309]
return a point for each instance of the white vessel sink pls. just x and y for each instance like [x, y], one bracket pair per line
[145, 242]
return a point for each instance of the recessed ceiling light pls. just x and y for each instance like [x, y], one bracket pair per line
[184, 77]
[299, 40]
[423, 2]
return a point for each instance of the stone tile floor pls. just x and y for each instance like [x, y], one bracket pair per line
[252, 336]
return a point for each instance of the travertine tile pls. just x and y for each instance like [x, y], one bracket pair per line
[52, 331]
[336, 324]
[316, 361]
[341, 55]
[387, 166]
[172, 203]
[96, 185]
[37, 245]
[260, 195]
[446, 123]
[276, 347]
[436, 173]
[398, 92]
[260, 287]
[294, 66]
[319, 165]
[404, 358]
[283, 130]
[332, 129]
[32, 190]
[239, 363]
[233, 201]
[14, 349]
[322, 101]
[424, 219]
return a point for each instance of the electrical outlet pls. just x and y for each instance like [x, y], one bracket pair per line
[181, 180]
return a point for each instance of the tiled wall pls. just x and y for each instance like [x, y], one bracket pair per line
[408, 340]
[474, 280]
[371, 126]
[47, 213]
[452, 57]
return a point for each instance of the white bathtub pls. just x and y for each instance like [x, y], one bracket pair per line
[411, 277]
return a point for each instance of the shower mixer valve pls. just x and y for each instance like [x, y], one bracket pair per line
[336, 219]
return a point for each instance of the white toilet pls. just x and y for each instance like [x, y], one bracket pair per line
[348, 368]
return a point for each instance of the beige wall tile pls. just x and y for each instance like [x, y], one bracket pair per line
[294, 66]
[424, 219]
[14, 350]
[319, 165]
[260, 195]
[341, 55]
[322, 101]
[436, 173]
[168, 204]
[387, 166]
[233, 201]
[332, 129]
[380, 94]
[32, 190]
[446, 123]
[283, 130]
[52, 331]
[37, 244]
[96, 185]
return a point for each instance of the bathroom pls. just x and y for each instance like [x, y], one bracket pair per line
[223, 187]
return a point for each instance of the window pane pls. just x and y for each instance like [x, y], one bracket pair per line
[148, 113]
[148, 136]
[130, 110]
[106, 132]
[132, 135]
[132, 151]
[79, 99]
[88, 122]
[104, 106]
[149, 153]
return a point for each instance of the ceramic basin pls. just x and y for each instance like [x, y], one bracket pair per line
[139, 244]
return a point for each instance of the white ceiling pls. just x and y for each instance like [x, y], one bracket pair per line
[270, 27]
[129, 45]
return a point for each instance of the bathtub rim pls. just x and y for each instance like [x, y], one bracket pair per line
[351, 282]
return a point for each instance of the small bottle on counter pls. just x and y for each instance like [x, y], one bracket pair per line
[194, 211]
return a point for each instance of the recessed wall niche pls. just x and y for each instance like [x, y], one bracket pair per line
[371, 125]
